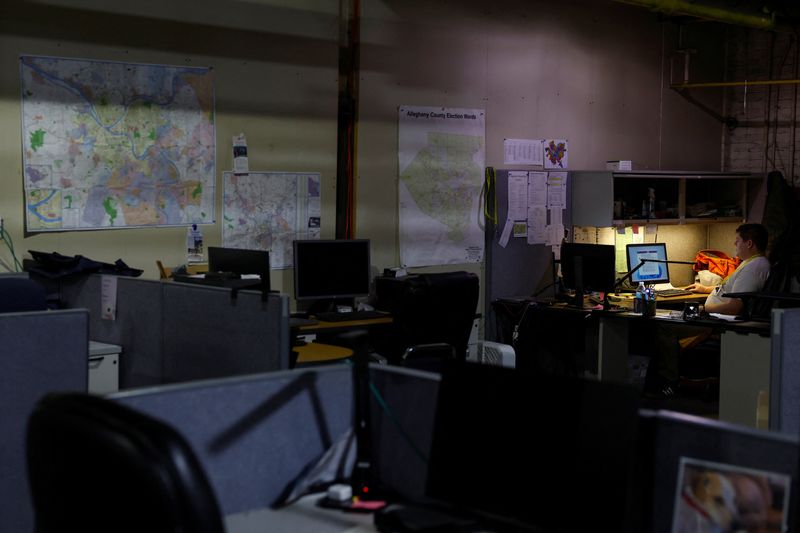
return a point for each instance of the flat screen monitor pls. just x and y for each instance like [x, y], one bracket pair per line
[649, 273]
[588, 267]
[546, 452]
[330, 269]
[239, 261]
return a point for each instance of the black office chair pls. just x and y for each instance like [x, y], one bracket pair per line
[426, 309]
[97, 466]
[21, 294]
[432, 357]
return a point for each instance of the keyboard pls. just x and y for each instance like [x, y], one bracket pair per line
[333, 316]
[668, 293]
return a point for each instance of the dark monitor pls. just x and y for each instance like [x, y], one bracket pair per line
[240, 261]
[330, 269]
[549, 452]
[649, 273]
[588, 267]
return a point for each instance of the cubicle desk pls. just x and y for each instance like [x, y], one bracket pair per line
[321, 327]
[744, 358]
[317, 352]
[671, 302]
[328, 350]
[304, 516]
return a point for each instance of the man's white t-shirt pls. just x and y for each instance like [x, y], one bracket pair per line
[749, 277]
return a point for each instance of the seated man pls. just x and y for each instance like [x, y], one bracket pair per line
[749, 276]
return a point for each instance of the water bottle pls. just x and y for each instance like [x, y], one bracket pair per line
[640, 299]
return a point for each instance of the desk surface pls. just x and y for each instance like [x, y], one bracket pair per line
[301, 517]
[321, 326]
[317, 352]
[626, 300]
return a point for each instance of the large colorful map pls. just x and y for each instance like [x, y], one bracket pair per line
[111, 145]
[268, 210]
[441, 162]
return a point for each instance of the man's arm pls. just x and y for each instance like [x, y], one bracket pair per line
[729, 306]
[700, 288]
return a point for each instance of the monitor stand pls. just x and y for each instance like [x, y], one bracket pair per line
[328, 305]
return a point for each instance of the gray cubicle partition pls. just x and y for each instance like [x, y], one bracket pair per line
[673, 437]
[211, 332]
[40, 352]
[519, 269]
[784, 398]
[137, 327]
[256, 435]
[172, 332]
[402, 427]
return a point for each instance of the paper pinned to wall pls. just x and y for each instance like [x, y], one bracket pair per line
[537, 188]
[623, 239]
[517, 195]
[523, 152]
[537, 224]
[556, 153]
[108, 297]
[557, 189]
[240, 161]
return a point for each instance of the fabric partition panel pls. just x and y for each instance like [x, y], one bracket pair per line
[209, 332]
[136, 327]
[42, 352]
[254, 435]
[784, 409]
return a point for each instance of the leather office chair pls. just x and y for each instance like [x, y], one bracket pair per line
[426, 308]
[95, 465]
[21, 294]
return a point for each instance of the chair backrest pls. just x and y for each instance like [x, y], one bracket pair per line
[427, 308]
[432, 357]
[95, 465]
[21, 294]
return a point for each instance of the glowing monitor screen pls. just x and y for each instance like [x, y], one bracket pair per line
[649, 273]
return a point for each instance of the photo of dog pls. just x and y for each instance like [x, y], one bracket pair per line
[717, 498]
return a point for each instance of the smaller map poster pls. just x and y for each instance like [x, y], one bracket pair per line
[268, 210]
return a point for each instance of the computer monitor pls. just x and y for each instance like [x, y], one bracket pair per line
[587, 267]
[649, 273]
[544, 452]
[240, 261]
[331, 269]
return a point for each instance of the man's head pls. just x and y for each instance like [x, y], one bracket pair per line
[750, 240]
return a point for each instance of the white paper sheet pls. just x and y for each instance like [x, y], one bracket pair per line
[517, 195]
[557, 189]
[537, 224]
[108, 297]
[523, 152]
[537, 188]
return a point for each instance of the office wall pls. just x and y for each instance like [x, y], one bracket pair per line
[591, 72]
[766, 136]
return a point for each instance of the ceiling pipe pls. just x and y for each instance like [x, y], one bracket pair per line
[707, 12]
[745, 83]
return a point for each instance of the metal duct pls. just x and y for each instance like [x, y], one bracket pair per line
[707, 12]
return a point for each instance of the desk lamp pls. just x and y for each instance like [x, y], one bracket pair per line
[620, 281]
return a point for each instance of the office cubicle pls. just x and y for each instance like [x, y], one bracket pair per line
[172, 332]
[784, 397]
[256, 436]
[40, 352]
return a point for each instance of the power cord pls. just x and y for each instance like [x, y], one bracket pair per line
[6, 238]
